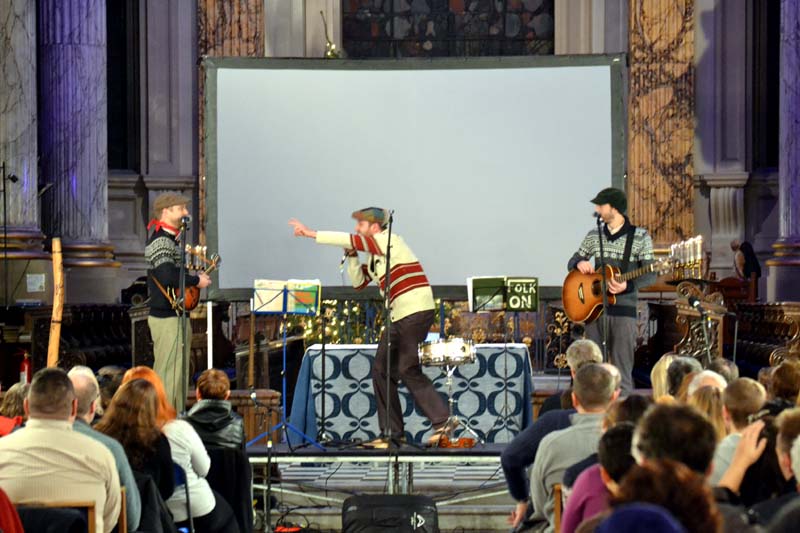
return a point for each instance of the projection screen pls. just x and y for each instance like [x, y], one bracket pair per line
[489, 163]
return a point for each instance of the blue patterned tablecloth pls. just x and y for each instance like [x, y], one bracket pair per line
[493, 394]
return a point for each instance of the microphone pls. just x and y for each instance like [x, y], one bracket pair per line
[695, 303]
[185, 221]
[254, 398]
[595, 214]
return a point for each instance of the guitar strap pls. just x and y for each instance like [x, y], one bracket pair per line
[626, 256]
[171, 301]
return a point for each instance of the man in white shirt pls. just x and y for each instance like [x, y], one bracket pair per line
[46, 461]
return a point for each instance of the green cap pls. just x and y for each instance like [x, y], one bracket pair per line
[372, 214]
[613, 197]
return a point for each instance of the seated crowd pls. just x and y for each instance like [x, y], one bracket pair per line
[71, 437]
[709, 452]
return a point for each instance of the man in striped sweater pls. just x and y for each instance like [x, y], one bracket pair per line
[611, 205]
[411, 310]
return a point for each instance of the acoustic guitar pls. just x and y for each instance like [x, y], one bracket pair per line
[582, 294]
[192, 297]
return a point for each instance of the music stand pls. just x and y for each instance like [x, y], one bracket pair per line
[286, 300]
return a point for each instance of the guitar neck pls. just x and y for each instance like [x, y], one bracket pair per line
[636, 273]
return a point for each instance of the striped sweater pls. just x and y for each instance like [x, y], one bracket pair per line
[410, 291]
[614, 251]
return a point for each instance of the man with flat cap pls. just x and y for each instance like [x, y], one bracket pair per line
[163, 256]
[411, 314]
[611, 205]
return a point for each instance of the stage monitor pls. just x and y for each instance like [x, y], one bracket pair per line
[488, 163]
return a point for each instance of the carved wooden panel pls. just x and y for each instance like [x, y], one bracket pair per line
[661, 117]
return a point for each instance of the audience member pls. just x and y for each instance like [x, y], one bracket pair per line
[639, 518]
[593, 393]
[12, 413]
[677, 370]
[580, 352]
[46, 461]
[589, 496]
[212, 416]
[788, 428]
[109, 378]
[658, 375]
[210, 512]
[680, 433]
[706, 378]
[784, 387]
[519, 454]
[87, 392]
[631, 409]
[725, 368]
[741, 399]
[788, 516]
[131, 419]
[708, 400]
[675, 487]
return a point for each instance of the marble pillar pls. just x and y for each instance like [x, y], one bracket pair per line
[23, 248]
[73, 141]
[784, 266]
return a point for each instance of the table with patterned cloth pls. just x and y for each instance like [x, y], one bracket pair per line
[493, 394]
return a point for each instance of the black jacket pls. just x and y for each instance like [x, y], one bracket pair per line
[217, 424]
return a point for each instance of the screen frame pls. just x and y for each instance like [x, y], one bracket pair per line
[212, 65]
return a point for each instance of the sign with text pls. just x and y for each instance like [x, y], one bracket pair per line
[522, 294]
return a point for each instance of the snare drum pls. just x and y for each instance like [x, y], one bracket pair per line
[450, 352]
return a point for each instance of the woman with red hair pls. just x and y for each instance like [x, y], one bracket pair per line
[211, 513]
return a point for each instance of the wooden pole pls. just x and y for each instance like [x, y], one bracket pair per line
[58, 304]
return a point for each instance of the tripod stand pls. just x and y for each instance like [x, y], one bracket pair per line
[453, 421]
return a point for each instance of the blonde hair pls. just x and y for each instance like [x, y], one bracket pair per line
[708, 400]
[658, 376]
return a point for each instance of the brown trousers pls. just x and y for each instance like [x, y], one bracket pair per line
[407, 333]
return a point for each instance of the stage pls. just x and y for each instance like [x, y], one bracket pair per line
[467, 484]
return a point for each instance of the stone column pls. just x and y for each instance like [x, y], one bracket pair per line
[18, 149]
[73, 142]
[721, 132]
[784, 267]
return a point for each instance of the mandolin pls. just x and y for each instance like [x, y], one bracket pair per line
[582, 294]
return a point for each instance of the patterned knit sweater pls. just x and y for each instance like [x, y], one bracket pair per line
[614, 250]
[163, 256]
[410, 291]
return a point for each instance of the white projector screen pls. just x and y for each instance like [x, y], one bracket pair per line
[488, 166]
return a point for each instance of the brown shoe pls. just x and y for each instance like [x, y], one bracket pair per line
[442, 431]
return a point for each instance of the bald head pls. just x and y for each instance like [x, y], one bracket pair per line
[87, 390]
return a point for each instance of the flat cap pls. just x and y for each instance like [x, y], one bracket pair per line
[372, 214]
[613, 197]
[167, 200]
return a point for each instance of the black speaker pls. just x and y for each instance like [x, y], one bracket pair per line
[378, 513]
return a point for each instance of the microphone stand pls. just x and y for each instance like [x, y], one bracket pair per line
[387, 432]
[604, 290]
[182, 309]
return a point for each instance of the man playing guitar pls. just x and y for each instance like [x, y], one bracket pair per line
[610, 206]
[412, 314]
[163, 256]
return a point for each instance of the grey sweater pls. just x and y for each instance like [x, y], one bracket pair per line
[614, 250]
[557, 452]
